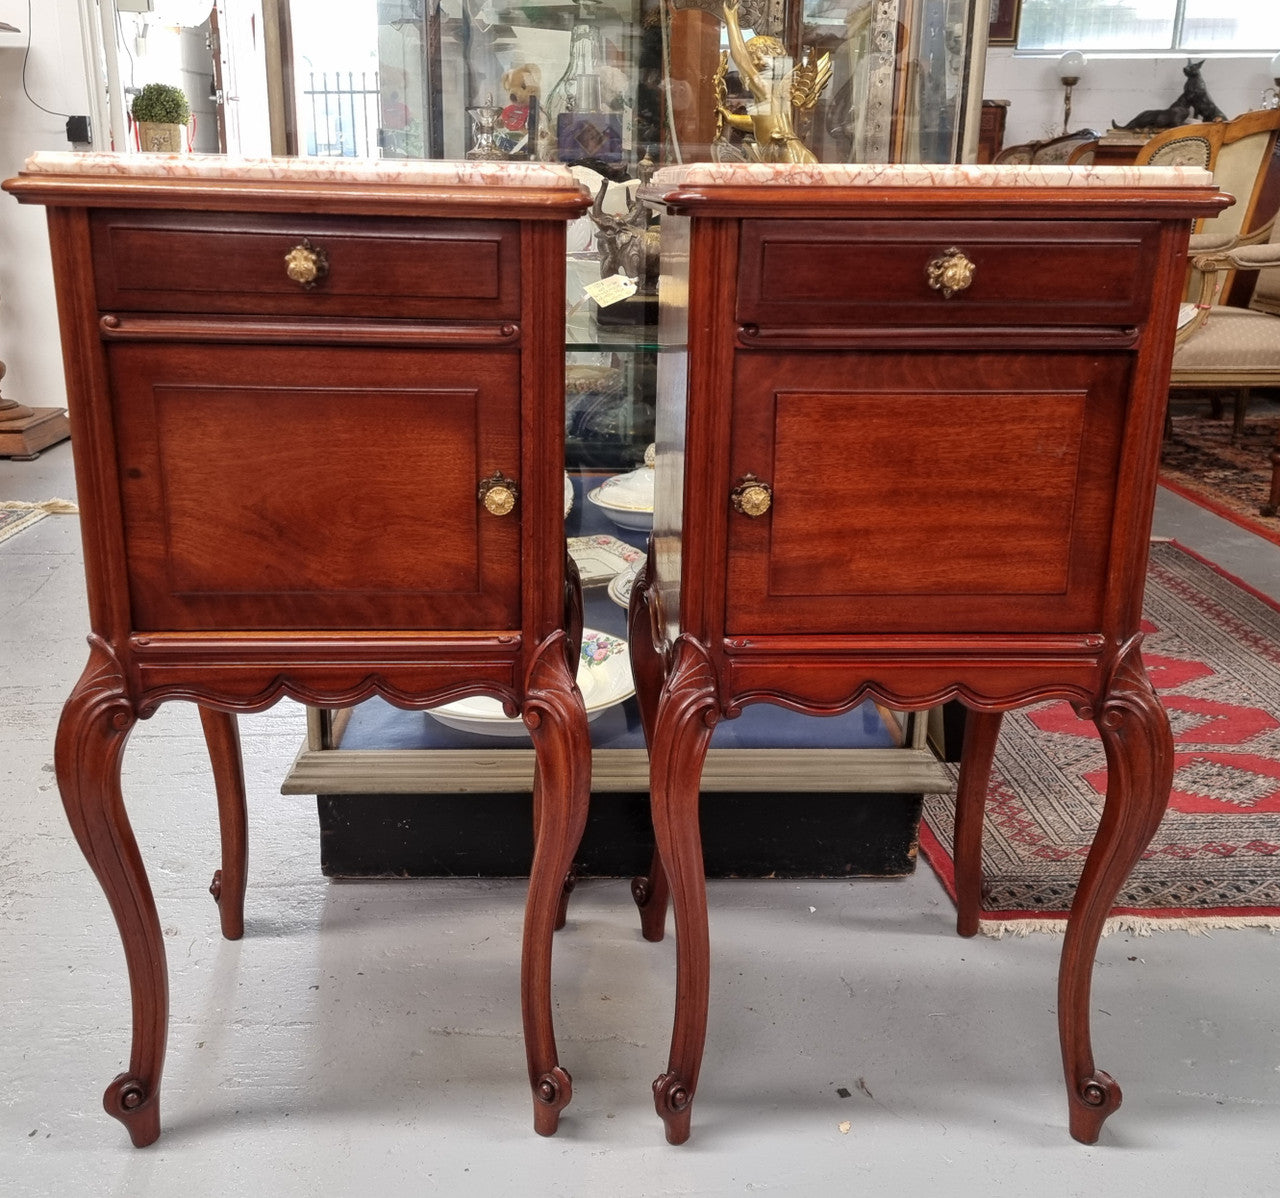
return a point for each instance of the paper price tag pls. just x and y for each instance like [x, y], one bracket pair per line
[612, 290]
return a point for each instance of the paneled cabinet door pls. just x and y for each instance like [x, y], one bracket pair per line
[301, 487]
[924, 492]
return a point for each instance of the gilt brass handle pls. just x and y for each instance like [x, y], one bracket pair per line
[952, 271]
[306, 264]
[499, 493]
[751, 497]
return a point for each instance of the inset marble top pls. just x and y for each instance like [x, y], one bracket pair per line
[409, 172]
[814, 174]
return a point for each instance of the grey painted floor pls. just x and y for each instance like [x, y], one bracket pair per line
[365, 1038]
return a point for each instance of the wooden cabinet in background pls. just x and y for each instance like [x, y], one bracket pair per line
[991, 124]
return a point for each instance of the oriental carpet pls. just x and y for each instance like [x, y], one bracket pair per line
[1212, 650]
[1199, 461]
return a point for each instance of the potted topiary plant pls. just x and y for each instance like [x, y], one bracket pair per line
[161, 113]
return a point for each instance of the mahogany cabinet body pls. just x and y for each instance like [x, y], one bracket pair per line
[869, 487]
[280, 485]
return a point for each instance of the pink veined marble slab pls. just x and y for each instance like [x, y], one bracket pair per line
[407, 172]
[822, 174]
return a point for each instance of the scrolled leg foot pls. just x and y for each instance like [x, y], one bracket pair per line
[562, 912]
[981, 731]
[222, 738]
[91, 737]
[552, 1092]
[128, 1100]
[650, 892]
[673, 1100]
[1093, 1100]
[1139, 747]
[557, 722]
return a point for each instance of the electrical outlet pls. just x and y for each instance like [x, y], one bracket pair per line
[79, 130]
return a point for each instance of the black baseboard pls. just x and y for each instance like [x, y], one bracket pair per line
[744, 835]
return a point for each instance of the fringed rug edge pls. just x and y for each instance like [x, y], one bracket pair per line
[1125, 920]
[32, 513]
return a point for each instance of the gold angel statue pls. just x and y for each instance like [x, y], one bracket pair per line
[777, 88]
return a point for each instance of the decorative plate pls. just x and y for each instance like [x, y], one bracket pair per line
[600, 558]
[604, 678]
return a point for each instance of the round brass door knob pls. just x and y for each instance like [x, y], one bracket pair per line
[498, 494]
[751, 497]
[306, 264]
[950, 272]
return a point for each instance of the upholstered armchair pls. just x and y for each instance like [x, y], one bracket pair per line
[1045, 153]
[1226, 348]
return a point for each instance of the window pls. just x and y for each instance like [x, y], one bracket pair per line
[1194, 26]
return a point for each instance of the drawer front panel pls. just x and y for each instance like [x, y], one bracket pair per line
[918, 493]
[816, 274]
[222, 263]
[269, 489]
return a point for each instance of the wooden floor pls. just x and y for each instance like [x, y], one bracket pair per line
[365, 1037]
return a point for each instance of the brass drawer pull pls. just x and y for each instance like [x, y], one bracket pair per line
[499, 494]
[952, 271]
[306, 264]
[751, 497]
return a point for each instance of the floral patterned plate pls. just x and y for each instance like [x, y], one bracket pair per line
[600, 558]
[604, 678]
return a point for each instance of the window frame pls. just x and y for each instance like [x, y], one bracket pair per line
[1175, 47]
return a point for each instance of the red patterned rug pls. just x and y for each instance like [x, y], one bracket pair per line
[1212, 650]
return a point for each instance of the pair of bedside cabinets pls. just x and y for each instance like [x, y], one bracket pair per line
[908, 433]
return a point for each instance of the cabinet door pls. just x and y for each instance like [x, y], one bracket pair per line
[282, 487]
[921, 492]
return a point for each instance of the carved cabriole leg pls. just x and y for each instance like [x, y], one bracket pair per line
[1139, 748]
[981, 730]
[687, 712]
[222, 737]
[573, 624]
[91, 737]
[647, 669]
[557, 722]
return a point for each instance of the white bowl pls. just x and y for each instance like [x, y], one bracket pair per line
[640, 519]
[604, 678]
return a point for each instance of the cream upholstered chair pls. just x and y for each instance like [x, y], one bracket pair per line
[1083, 153]
[1241, 155]
[1219, 346]
[1223, 344]
[1044, 153]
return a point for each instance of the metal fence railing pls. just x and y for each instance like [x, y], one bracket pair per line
[344, 114]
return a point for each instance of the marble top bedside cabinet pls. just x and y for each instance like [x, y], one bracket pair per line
[909, 425]
[317, 414]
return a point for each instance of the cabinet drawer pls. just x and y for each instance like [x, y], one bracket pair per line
[807, 274]
[234, 263]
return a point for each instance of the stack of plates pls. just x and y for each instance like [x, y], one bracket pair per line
[604, 678]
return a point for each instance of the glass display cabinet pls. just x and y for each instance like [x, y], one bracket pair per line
[616, 88]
